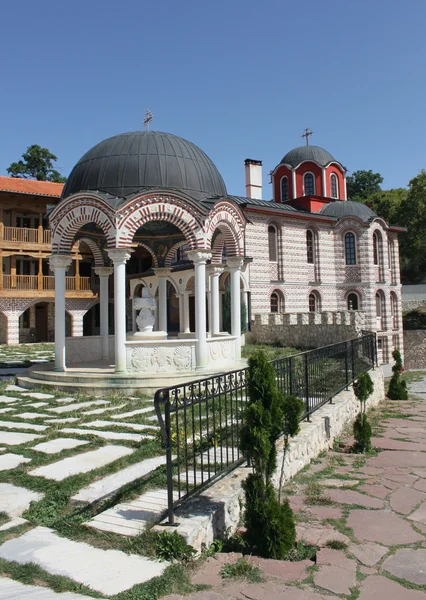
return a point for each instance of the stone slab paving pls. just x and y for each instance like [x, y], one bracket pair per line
[135, 426]
[336, 573]
[64, 420]
[109, 484]
[81, 463]
[408, 564]
[14, 438]
[381, 588]
[10, 461]
[66, 408]
[17, 425]
[100, 411]
[8, 399]
[404, 500]
[31, 415]
[15, 388]
[15, 522]
[54, 446]
[105, 571]
[5, 410]
[66, 399]
[38, 395]
[15, 500]
[35, 404]
[132, 518]
[108, 435]
[15, 590]
[139, 411]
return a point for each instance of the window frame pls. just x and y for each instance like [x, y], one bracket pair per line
[310, 247]
[357, 301]
[276, 297]
[350, 252]
[305, 193]
[317, 301]
[333, 177]
[376, 249]
[284, 177]
[275, 246]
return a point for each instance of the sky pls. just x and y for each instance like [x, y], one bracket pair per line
[241, 79]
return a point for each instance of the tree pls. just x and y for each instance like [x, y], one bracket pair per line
[226, 312]
[36, 163]
[387, 204]
[363, 184]
[412, 215]
[397, 387]
[363, 388]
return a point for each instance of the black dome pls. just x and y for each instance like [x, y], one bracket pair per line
[315, 153]
[348, 208]
[130, 162]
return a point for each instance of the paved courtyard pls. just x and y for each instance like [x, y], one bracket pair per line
[67, 506]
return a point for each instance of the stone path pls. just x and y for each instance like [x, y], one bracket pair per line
[14, 590]
[374, 506]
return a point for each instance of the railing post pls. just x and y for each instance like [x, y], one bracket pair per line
[291, 376]
[347, 364]
[353, 360]
[169, 460]
[307, 387]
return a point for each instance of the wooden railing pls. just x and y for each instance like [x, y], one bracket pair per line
[44, 282]
[25, 235]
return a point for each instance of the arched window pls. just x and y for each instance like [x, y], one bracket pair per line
[314, 302]
[334, 186]
[310, 249]
[277, 302]
[394, 310]
[284, 188]
[350, 250]
[380, 310]
[272, 240]
[308, 184]
[352, 301]
[376, 248]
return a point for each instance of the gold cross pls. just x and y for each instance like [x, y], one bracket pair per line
[306, 135]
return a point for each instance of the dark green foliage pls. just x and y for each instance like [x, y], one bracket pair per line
[37, 164]
[336, 545]
[302, 551]
[397, 387]
[271, 531]
[242, 569]
[172, 546]
[362, 432]
[226, 312]
[415, 319]
[363, 388]
[363, 184]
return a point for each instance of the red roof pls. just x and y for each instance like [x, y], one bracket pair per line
[30, 186]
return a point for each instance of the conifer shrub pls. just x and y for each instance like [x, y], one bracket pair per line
[397, 387]
[270, 525]
[363, 388]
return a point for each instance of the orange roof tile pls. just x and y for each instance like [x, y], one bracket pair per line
[30, 186]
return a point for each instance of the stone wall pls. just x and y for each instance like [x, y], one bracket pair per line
[415, 349]
[307, 330]
[217, 512]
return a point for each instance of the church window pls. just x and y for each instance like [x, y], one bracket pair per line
[284, 188]
[352, 301]
[314, 302]
[334, 186]
[274, 302]
[310, 246]
[308, 184]
[272, 239]
[350, 251]
[376, 248]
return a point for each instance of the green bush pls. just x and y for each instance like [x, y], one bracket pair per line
[363, 388]
[172, 546]
[242, 569]
[397, 387]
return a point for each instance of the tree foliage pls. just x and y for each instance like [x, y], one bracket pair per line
[397, 387]
[36, 163]
[226, 312]
[362, 185]
[363, 388]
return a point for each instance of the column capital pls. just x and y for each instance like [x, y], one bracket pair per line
[104, 271]
[60, 261]
[199, 256]
[215, 269]
[118, 255]
[162, 271]
[235, 262]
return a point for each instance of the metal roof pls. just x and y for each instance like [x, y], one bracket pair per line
[302, 153]
[131, 162]
[263, 203]
[348, 208]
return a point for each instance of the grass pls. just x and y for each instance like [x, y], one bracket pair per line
[272, 351]
[336, 545]
[26, 352]
[315, 496]
[242, 569]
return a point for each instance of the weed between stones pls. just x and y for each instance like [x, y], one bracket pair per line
[242, 569]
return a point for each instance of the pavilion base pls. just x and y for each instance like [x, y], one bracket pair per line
[99, 379]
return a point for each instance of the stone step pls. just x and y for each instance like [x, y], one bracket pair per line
[111, 483]
[131, 518]
[15, 590]
[105, 571]
[81, 463]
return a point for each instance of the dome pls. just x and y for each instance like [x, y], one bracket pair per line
[131, 162]
[302, 153]
[348, 208]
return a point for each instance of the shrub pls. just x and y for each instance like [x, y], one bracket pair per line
[226, 312]
[363, 388]
[242, 569]
[397, 387]
[172, 546]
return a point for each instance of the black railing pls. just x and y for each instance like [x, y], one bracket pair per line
[201, 420]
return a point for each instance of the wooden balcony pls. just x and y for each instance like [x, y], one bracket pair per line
[23, 235]
[45, 283]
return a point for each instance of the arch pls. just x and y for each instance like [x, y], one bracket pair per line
[352, 300]
[310, 246]
[273, 242]
[96, 251]
[376, 247]
[225, 239]
[350, 248]
[334, 186]
[394, 311]
[277, 301]
[314, 301]
[172, 251]
[151, 252]
[217, 248]
[284, 188]
[380, 309]
[231, 223]
[160, 208]
[308, 184]
[70, 215]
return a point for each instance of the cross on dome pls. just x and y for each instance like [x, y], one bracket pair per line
[306, 135]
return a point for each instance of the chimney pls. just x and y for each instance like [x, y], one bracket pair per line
[253, 178]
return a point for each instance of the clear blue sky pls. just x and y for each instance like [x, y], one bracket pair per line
[241, 79]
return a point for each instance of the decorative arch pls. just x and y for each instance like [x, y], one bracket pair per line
[231, 224]
[314, 301]
[276, 301]
[152, 253]
[160, 208]
[171, 252]
[96, 251]
[217, 248]
[67, 219]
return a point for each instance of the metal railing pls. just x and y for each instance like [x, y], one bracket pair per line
[201, 420]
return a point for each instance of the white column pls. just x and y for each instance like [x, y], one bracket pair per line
[324, 183]
[185, 300]
[77, 322]
[104, 273]
[181, 301]
[59, 265]
[345, 188]
[234, 265]
[119, 257]
[199, 259]
[162, 297]
[12, 327]
[221, 310]
[293, 181]
[214, 272]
